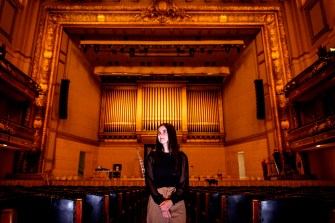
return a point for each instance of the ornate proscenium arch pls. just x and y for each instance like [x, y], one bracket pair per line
[54, 17]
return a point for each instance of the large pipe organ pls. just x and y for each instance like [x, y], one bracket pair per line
[130, 111]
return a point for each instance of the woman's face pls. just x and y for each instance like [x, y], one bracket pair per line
[162, 135]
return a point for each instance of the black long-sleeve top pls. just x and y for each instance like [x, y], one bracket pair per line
[163, 175]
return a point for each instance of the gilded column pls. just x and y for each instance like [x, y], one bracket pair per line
[43, 71]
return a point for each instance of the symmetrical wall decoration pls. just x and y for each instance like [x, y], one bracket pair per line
[269, 19]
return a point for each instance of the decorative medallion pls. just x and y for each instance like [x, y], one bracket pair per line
[163, 11]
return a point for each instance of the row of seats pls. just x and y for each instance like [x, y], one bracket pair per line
[74, 204]
[261, 204]
[102, 204]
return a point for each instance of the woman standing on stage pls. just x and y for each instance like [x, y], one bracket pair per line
[166, 178]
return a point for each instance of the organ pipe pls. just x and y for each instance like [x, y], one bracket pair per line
[160, 103]
[203, 111]
[120, 110]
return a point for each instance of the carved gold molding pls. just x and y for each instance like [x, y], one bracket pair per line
[53, 17]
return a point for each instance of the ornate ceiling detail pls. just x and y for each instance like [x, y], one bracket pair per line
[163, 11]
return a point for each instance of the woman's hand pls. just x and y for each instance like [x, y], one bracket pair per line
[166, 205]
[166, 214]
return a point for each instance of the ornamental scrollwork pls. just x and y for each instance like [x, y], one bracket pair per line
[163, 11]
[275, 53]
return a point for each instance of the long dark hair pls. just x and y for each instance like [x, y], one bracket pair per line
[172, 145]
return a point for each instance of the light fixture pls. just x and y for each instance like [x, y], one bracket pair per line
[85, 48]
[191, 52]
[238, 49]
[132, 52]
[227, 49]
[96, 48]
[144, 50]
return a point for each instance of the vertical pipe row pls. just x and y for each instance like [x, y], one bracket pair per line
[159, 108]
[106, 111]
[210, 112]
[177, 108]
[122, 110]
[147, 104]
[168, 105]
[110, 110]
[198, 117]
[174, 107]
[160, 105]
[197, 101]
[204, 106]
[148, 109]
[135, 110]
[155, 108]
[164, 104]
[191, 108]
[180, 108]
[128, 109]
[144, 109]
[216, 109]
[202, 111]
[117, 111]
[152, 108]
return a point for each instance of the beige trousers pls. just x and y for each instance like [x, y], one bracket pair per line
[178, 210]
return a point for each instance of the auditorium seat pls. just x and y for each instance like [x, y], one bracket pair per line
[290, 210]
[217, 204]
[94, 208]
[193, 206]
[66, 211]
[115, 202]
